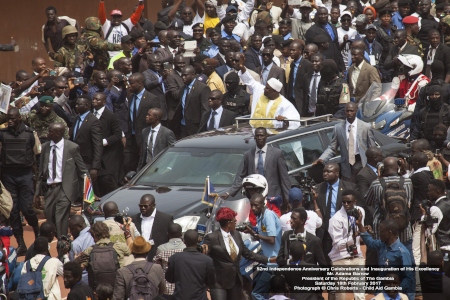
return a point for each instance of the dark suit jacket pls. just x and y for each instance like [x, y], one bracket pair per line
[277, 73]
[300, 86]
[174, 83]
[153, 86]
[160, 230]
[221, 71]
[274, 168]
[89, 138]
[252, 60]
[219, 59]
[364, 179]
[226, 268]
[294, 277]
[333, 51]
[442, 54]
[165, 54]
[165, 138]
[148, 101]
[367, 76]
[394, 51]
[196, 104]
[226, 119]
[314, 251]
[420, 183]
[112, 132]
[322, 201]
[73, 170]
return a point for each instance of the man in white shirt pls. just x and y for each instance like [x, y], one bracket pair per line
[346, 249]
[314, 220]
[268, 102]
[345, 35]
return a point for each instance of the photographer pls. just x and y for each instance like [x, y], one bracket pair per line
[121, 229]
[441, 212]
[313, 253]
[346, 249]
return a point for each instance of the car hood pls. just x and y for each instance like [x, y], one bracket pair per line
[177, 201]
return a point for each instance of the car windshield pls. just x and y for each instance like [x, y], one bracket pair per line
[379, 98]
[191, 166]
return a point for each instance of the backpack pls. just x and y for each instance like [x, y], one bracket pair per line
[142, 288]
[395, 203]
[103, 265]
[111, 29]
[30, 285]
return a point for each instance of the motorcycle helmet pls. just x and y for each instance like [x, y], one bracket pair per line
[254, 181]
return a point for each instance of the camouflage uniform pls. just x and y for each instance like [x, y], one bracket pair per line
[415, 42]
[92, 41]
[65, 57]
[204, 45]
[41, 124]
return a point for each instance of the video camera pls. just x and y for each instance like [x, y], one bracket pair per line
[405, 157]
[307, 184]
[353, 213]
[428, 220]
[243, 226]
[122, 218]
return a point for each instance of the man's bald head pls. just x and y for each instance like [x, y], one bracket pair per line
[419, 160]
[333, 165]
[359, 44]
[110, 209]
[58, 127]
[157, 112]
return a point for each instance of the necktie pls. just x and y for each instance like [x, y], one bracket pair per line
[97, 115]
[211, 122]
[260, 166]
[77, 126]
[55, 158]
[264, 76]
[330, 199]
[351, 145]
[150, 146]
[314, 90]
[134, 112]
[233, 251]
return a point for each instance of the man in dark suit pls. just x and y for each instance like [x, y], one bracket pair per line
[224, 47]
[402, 47]
[87, 133]
[167, 53]
[361, 75]
[155, 138]
[139, 104]
[218, 116]
[194, 102]
[228, 66]
[328, 198]
[191, 271]
[436, 51]
[152, 224]
[174, 83]
[322, 27]
[59, 159]
[226, 247]
[154, 81]
[297, 90]
[270, 163]
[252, 57]
[270, 70]
[314, 253]
[112, 146]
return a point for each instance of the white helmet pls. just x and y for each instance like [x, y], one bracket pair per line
[258, 181]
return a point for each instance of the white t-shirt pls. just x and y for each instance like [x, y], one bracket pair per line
[313, 222]
[351, 35]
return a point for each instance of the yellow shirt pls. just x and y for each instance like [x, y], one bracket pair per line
[210, 22]
[114, 58]
[214, 82]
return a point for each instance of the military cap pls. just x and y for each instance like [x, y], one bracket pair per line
[210, 62]
[46, 99]
[92, 23]
[69, 29]
[446, 20]
[177, 23]
[410, 20]
[160, 26]
[404, 3]
[198, 25]
[265, 16]
[213, 31]
[231, 8]
[229, 18]
[278, 39]
[305, 4]
[318, 39]
[126, 38]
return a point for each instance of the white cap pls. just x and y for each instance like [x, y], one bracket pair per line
[275, 84]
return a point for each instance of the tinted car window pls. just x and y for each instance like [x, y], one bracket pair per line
[190, 166]
[301, 151]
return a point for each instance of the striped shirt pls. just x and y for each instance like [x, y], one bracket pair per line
[374, 198]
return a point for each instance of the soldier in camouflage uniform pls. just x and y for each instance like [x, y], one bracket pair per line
[65, 56]
[445, 30]
[92, 40]
[40, 120]
[412, 29]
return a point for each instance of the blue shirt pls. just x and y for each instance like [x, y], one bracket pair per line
[373, 169]
[183, 100]
[296, 65]
[231, 36]
[397, 20]
[211, 51]
[269, 224]
[334, 196]
[386, 297]
[78, 123]
[265, 73]
[287, 36]
[395, 255]
[138, 101]
[330, 31]
[81, 243]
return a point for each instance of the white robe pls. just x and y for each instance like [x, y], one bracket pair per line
[285, 109]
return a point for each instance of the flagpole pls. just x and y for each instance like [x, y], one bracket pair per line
[84, 193]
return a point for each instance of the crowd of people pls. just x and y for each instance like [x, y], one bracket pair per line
[114, 92]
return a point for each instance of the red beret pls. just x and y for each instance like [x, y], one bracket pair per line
[225, 214]
[410, 20]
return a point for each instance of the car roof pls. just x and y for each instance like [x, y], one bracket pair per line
[242, 138]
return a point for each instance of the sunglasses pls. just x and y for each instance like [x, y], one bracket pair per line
[266, 54]
[198, 30]
[214, 98]
[348, 202]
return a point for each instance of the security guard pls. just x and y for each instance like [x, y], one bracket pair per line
[236, 99]
[67, 55]
[202, 42]
[412, 29]
[16, 159]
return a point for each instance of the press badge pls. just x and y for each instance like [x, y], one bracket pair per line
[151, 242]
